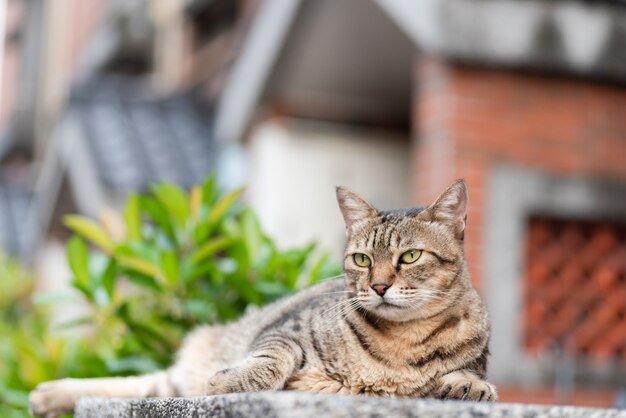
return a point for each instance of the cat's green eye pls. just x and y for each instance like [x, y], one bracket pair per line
[362, 260]
[410, 256]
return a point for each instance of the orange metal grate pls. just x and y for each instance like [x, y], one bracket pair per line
[575, 288]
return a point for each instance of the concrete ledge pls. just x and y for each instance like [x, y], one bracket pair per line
[300, 405]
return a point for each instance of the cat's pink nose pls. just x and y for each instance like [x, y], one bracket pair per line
[380, 288]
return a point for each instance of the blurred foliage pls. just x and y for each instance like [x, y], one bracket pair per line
[171, 261]
[29, 352]
[18, 325]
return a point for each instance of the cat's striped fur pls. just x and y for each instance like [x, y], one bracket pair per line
[427, 335]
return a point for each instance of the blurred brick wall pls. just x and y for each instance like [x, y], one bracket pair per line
[575, 290]
[467, 120]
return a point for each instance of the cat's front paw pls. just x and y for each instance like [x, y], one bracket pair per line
[315, 380]
[222, 382]
[52, 399]
[466, 386]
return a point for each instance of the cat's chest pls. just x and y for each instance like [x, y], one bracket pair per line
[363, 371]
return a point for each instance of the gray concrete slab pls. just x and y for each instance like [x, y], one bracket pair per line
[300, 405]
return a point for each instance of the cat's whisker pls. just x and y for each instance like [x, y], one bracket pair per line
[435, 291]
[340, 291]
[340, 314]
[418, 305]
[339, 307]
[340, 303]
[333, 278]
[426, 296]
[345, 309]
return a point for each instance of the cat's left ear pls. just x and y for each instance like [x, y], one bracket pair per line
[353, 207]
[450, 208]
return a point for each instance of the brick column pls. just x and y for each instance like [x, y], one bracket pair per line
[435, 156]
[468, 120]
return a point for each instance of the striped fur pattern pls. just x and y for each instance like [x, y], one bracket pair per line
[425, 336]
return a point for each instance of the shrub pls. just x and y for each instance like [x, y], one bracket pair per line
[17, 326]
[29, 352]
[172, 260]
[176, 260]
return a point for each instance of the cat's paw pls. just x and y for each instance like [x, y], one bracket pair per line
[52, 399]
[222, 382]
[314, 380]
[465, 386]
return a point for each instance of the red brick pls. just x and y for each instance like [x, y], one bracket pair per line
[468, 120]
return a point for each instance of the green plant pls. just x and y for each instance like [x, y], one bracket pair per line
[16, 286]
[29, 351]
[176, 259]
[172, 260]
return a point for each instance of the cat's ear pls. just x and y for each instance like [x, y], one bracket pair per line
[353, 207]
[450, 208]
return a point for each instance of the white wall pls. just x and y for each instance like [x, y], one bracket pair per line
[295, 166]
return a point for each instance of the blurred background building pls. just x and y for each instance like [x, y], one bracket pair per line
[526, 100]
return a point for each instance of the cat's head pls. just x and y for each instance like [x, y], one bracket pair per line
[403, 264]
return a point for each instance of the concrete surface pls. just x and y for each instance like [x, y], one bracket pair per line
[300, 405]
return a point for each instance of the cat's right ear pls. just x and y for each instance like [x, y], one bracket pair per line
[450, 208]
[353, 207]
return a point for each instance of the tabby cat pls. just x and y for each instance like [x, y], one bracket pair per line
[404, 322]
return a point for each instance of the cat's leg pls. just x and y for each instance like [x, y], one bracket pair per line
[267, 367]
[58, 397]
[465, 385]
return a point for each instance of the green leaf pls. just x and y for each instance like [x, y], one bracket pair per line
[140, 265]
[193, 271]
[202, 232]
[231, 228]
[195, 203]
[174, 199]
[209, 190]
[252, 235]
[158, 214]
[211, 247]
[145, 281]
[171, 267]
[78, 259]
[246, 289]
[89, 230]
[132, 216]
[222, 205]
[322, 268]
[85, 290]
[149, 251]
[107, 279]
